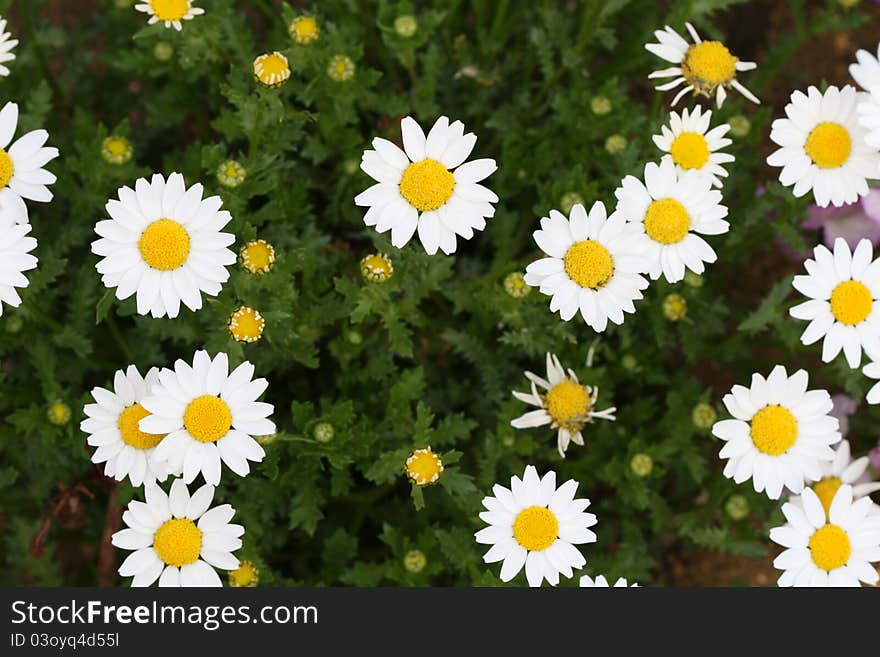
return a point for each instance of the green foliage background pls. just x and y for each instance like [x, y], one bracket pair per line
[430, 357]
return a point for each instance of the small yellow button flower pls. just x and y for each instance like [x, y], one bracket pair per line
[257, 257]
[304, 30]
[116, 150]
[271, 70]
[246, 325]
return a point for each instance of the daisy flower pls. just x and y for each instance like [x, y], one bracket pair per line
[843, 470]
[15, 257]
[594, 264]
[112, 423]
[706, 67]
[673, 208]
[866, 70]
[170, 12]
[427, 186]
[535, 524]
[22, 175]
[780, 435]
[843, 310]
[832, 550]
[209, 414]
[177, 538]
[823, 147]
[566, 405]
[6, 46]
[871, 370]
[600, 582]
[163, 244]
[692, 146]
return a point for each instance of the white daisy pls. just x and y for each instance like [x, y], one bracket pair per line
[781, 433]
[169, 12]
[828, 551]
[868, 110]
[843, 309]
[15, 257]
[427, 185]
[823, 147]
[164, 244]
[566, 405]
[601, 583]
[692, 146]
[209, 414]
[22, 175]
[112, 423]
[866, 70]
[536, 525]
[673, 208]
[871, 370]
[706, 67]
[843, 470]
[177, 539]
[6, 46]
[594, 265]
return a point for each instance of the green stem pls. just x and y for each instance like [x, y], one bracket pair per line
[40, 315]
[117, 336]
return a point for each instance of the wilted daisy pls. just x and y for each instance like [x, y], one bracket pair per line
[427, 186]
[675, 209]
[177, 538]
[601, 583]
[170, 12]
[828, 550]
[693, 146]
[781, 433]
[843, 309]
[823, 147]
[537, 525]
[594, 264]
[113, 425]
[271, 69]
[843, 470]
[566, 405]
[706, 67]
[22, 176]
[6, 46]
[209, 414]
[163, 244]
[15, 257]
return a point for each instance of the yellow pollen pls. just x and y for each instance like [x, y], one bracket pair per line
[535, 528]
[708, 64]
[690, 150]
[207, 418]
[272, 69]
[830, 547]
[246, 325]
[774, 429]
[245, 575]
[589, 264]
[130, 431]
[427, 184]
[257, 257]
[569, 404]
[423, 467]
[170, 10]
[667, 221]
[851, 302]
[164, 245]
[178, 542]
[826, 489]
[6, 168]
[828, 145]
[304, 29]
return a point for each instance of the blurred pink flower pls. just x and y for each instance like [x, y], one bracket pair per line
[851, 222]
[874, 456]
[844, 406]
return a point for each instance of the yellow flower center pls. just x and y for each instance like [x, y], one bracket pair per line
[667, 221]
[164, 245]
[6, 168]
[170, 10]
[178, 542]
[568, 403]
[271, 69]
[427, 185]
[690, 150]
[257, 257]
[826, 489]
[535, 528]
[830, 547]
[129, 428]
[376, 267]
[828, 145]
[708, 64]
[423, 467]
[589, 264]
[774, 429]
[246, 325]
[207, 418]
[851, 302]
[116, 145]
[245, 575]
[304, 29]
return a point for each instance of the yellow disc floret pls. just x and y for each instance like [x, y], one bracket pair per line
[535, 528]
[830, 547]
[129, 428]
[825, 489]
[690, 150]
[851, 302]
[257, 256]
[708, 64]
[569, 404]
[164, 245]
[170, 10]
[667, 221]
[271, 69]
[828, 145]
[245, 575]
[589, 264]
[6, 168]
[377, 267]
[423, 467]
[773, 430]
[207, 418]
[427, 185]
[246, 325]
[304, 30]
[178, 542]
